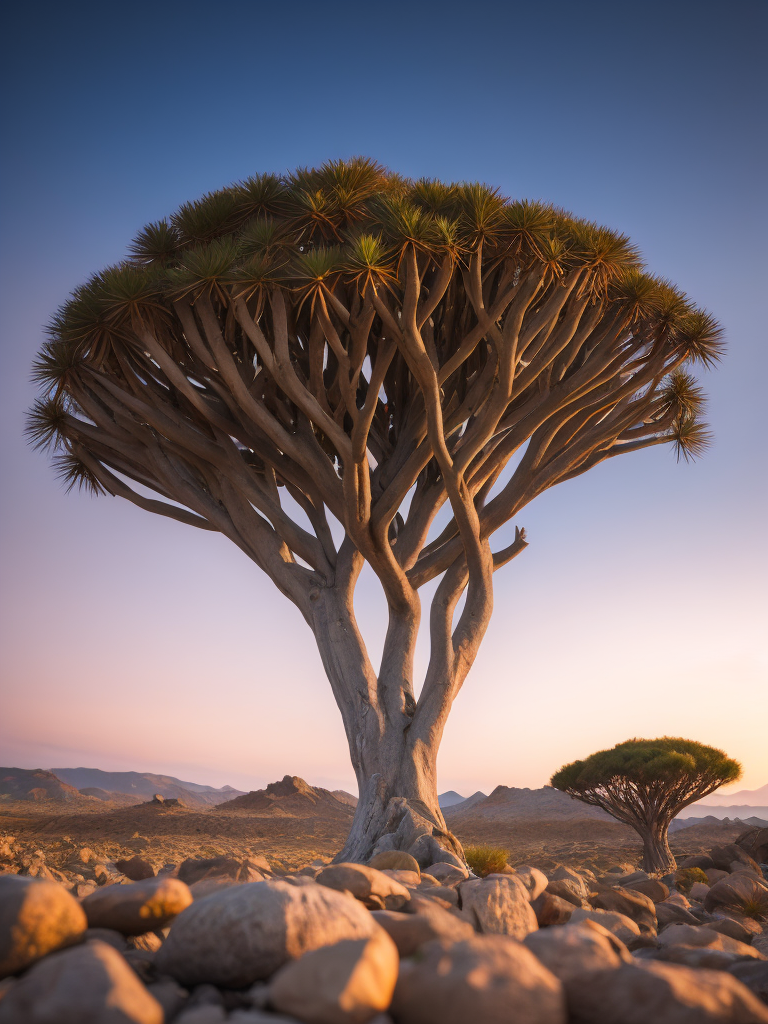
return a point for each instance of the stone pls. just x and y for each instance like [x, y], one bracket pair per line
[655, 891]
[36, 918]
[170, 995]
[632, 904]
[498, 905]
[136, 868]
[698, 891]
[715, 874]
[427, 881]
[623, 927]
[670, 912]
[724, 856]
[112, 938]
[246, 932]
[441, 893]
[206, 886]
[139, 907]
[373, 888]
[89, 984]
[735, 892]
[535, 881]
[344, 983]
[202, 1015]
[687, 935]
[195, 869]
[395, 860]
[562, 872]
[744, 929]
[753, 974]
[150, 942]
[551, 910]
[410, 879]
[577, 948]
[447, 874]
[489, 978]
[409, 931]
[567, 890]
[698, 956]
[699, 860]
[649, 992]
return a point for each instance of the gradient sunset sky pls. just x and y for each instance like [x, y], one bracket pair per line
[133, 642]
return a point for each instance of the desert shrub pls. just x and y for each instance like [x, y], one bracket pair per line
[754, 906]
[486, 860]
[685, 878]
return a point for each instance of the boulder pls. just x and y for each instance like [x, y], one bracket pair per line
[551, 910]
[136, 868]
[649, 992]
[498, 905]
[409, 931]
[89, 984]
[561, 873]
[567, 890]
[698, 891]
[139, 907]
[447, 874]
[744, 929]
[344, 983]
[489, 978]
[753, 974]
[410, 879]
[687, 935]
[632, 904]
[36, 918]
[395, 860]
[112, 938]
[577, 948]
[755, 842]
[195, 869]
[699, 860]
[670, 912]
[170, 995]
[724, 856]
[246, 932]
[623, 927]
[444, 894]
[697, 956]
[206, 886]
[655, 891]
[535, 881]
[715, 875]
[373, 888]
[736, 892]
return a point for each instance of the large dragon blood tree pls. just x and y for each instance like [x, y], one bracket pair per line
[346, 345]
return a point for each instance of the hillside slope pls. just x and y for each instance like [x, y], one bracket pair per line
[507, 803]
[146, 784]
[292, 797]
[35, 784]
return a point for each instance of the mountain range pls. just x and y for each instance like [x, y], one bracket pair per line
[143, 786]
[743, 797]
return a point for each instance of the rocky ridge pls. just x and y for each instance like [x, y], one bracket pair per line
[212, 940]
[291, 797]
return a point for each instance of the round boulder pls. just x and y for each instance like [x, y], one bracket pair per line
[394, 860]
[139, 907]
[36, 918]
[245, 933]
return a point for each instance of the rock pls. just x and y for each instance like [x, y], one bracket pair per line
[447, 874]
[686, 935]
[568, 891]
[699, 891]
[345, 983]
[698, 861]
[724, 856]
[407, 878]
[246, 932]
[441, 893]
[670, 912]
[577, 948]
[139, 907]
[741, 928]
[373, 888]
[753, 974]
[150, 942]
[136, 868]
[488, 978]
[551, 910]
[735, 892]
[170, 995]
[630, 903]
[697, 956]
[206, 886]
[112, 938]
[394, 860]
[36, 918]
[535, 881]
[715, 874]
[648, 992]
[202, 1015]
[755, 842]
[498, 905]
[195, 869]
[623, 927]
[561, 872]
[655, 891]
[89, 984]
[409, 931]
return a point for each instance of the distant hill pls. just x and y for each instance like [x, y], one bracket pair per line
[710, 819]
[748, 797]
[741, 811]
[145, 785]
[292, 797]
[450, 798]
[464, 805]
[34, 784]
[508, 802]
[345, 797]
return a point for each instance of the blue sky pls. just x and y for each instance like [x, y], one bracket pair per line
[639, 607]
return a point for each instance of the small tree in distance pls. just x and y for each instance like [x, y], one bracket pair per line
[341, 366]
[646, 783]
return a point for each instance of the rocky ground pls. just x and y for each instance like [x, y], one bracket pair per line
[127, 930]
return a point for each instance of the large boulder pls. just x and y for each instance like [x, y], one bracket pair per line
[489, 978]
[395, 860]
[447, 874]
[36, 918]
[195, 869]
[577, 948]
[649, 992]
[431, 921]
[671, 912]
[635, 905]
[498, 905]
[551, 910]
[724, 856]
[655, 890]
[755, 843]
[568, 890]
[246, 932]
[535, 881]
[753, 974]
[372, 887]
[139, 907]
[737, 892]
[345, 983]
[90, 984]
[687, 935]
[136, 868]
[623, 927]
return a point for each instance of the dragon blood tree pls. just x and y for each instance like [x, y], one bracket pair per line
[342, 345]
[646, 783]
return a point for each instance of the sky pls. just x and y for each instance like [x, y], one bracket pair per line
[130, 642]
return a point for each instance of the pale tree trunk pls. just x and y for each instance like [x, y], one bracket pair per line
[393, 741]
[657, 856]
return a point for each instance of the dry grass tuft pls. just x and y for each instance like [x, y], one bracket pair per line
[486, 860]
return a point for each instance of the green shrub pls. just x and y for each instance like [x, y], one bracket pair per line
[486, 860]
[685, 878]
